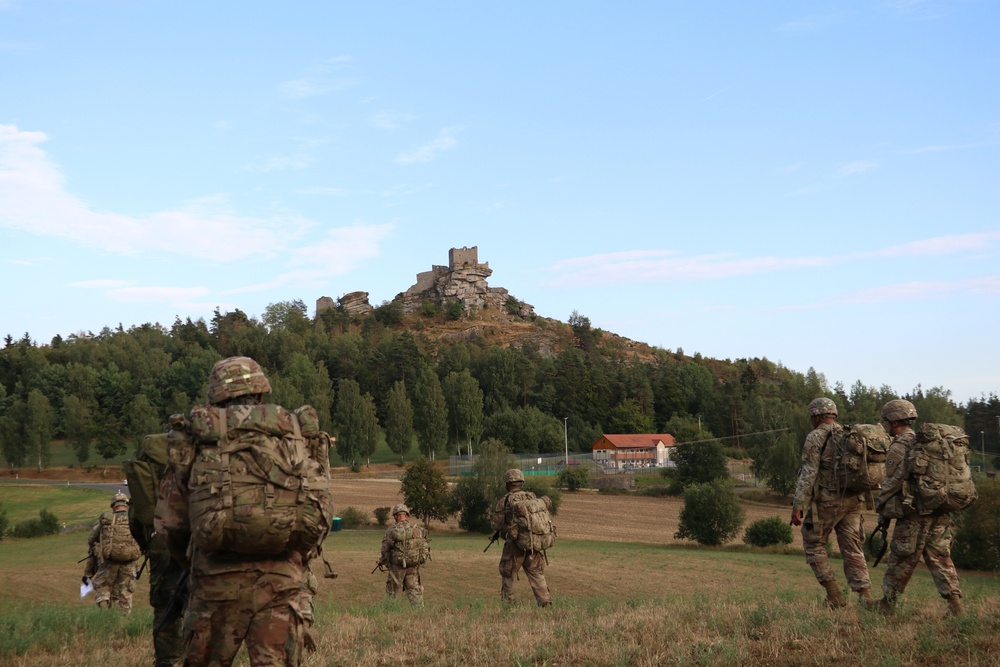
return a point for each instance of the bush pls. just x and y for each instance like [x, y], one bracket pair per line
[996, 462]
[712, 514]
[352, 517]
[573, 478]
[382, 515]
[4, 523]
[45, 524]
[656, 491]
[613, 491]
[454, 309]
[768, 532]
[977, 533]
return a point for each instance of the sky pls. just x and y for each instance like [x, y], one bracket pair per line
[815, 183]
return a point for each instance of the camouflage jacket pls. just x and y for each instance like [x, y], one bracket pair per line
[171, 519]
[815, 466]
[891, 496]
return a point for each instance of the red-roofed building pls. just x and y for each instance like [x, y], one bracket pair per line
[633, 450]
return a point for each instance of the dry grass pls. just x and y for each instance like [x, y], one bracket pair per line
[626, 594]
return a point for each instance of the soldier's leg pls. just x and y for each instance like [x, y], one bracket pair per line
[168, 643]
[124, 586]
[850, 538]
[937, 555]
[219, 612]
[509, 565]
[815, 535]
[411, 585]
[275, 635]
[904, 555]
[534, 568]
[393, 582]
[102, 587]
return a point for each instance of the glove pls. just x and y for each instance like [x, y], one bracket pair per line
[86, 581]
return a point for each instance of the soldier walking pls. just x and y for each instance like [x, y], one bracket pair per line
[111, 567]
[820, 506]
[513, 517]
[404, 549]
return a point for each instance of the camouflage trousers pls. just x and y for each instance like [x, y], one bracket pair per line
[271, 613]
[405, 580]
[168, 643]
[912, 537]
[841, 516]
[114, 584]
[533, 562]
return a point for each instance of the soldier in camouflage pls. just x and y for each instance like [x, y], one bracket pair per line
[262, 601]
[820, 507]
[914, 534]
[113, 577]
[513, 557]
[401, 578]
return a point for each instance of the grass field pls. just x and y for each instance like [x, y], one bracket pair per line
[648, 600]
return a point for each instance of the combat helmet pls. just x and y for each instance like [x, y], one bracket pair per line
[119, 499]
[400, 509]
[234, 377]
[513, 475]
[898, 410]
[822, 406]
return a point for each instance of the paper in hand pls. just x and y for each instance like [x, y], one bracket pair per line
[85, 589]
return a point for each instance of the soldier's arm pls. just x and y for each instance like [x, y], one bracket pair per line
[808, 470]
[895, 474]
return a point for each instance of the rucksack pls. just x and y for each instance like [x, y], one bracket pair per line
[258, 485]
[861, 452]
[531, 526]
[410, 545]
[116, 543]
[938, 470]
[143, 475]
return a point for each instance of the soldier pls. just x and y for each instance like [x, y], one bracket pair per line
[518, 553]
[914, 534]
[111, 567]
[820, 506]
[404, 550]
[264, 597]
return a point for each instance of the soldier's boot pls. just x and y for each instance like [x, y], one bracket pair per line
[865, 595]
[834, 598]
[955, 605]
[886, 607]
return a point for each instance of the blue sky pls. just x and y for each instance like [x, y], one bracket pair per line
[811, 182]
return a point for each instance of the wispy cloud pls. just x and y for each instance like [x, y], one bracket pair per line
[173, 295]
[392, 120]
[944, 148]
[919, 291]
[855, 168]
[661, 265]
[279, 163]
[327, 77]
[444, 141]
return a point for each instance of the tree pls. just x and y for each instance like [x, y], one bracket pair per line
[78, 425]
[430, 414]
[39, 425]
[464, 400]
[475, 495]
[698, 463]
[355, 422]
[109, 442]
[398, 420]
[425, 491]
[627, 417]
[141, 420]
[977, 537]
[711, 515]
[781, 469]
[526, 430]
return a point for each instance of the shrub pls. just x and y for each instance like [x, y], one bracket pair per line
[712, 514]
[512, 306]
[428, 308]
[996, 462]
[352, 517]
[4, 523]
[768, 532]
[382, 515]
[454, 309]
[45, 524]
[613, 491]
[977, 534]
[656, 491]
[573, 478]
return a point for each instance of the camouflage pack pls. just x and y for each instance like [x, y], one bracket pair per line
[143, 475]
[116, 543]
[938, 470]
[410, 545]
[528, 523]
[861, 452]
[259, 483]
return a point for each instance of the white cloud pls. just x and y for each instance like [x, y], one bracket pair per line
[916, 291]
[32, 189]
[173, 295]
[854, 168]
[941, 245]
[326, 77]
[280, 163]
[444, 141]
[391, 120]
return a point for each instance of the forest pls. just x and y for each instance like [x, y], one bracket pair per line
[387, 377]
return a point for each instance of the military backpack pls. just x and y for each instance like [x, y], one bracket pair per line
[259, 483]
[143, 475]
[526, 521]
[116, 543]
[938, 472]
[410, 545]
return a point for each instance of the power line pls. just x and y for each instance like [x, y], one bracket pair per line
[733, 437]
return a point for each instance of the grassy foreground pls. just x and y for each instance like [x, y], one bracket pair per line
[616, 604]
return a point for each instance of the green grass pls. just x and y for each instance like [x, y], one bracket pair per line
[72, 505]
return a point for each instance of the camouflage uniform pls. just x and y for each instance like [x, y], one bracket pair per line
[264, 602]
[401, 579]
[113, 582]
[914, 534]
[514, 558]
[826, 509]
